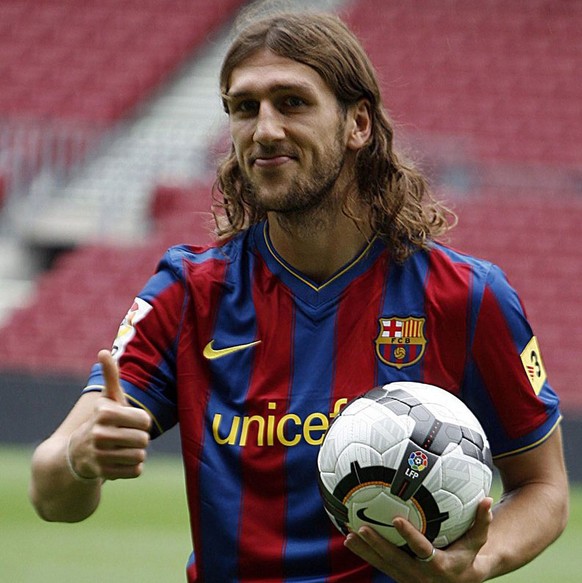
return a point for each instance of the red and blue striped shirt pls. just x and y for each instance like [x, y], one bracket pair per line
[254, 360]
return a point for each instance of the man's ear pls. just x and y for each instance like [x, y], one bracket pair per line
[359, 125]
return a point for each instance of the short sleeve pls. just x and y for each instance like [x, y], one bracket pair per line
[146, 345]
[511, 393]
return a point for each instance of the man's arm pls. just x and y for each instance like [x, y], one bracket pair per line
[102, 438]
[532, 513]
[533, 510]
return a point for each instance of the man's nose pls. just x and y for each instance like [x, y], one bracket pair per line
[269, 125]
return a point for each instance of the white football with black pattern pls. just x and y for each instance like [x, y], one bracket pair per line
[405, 449]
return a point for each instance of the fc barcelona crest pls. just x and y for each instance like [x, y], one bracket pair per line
[400, 341]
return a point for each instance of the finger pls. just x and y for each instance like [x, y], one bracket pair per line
[479, 532]
[121, 457]
[110, 369]
[111, 414]
[120, 453]
[358, 545]
[124, 470]
[417, 542]
[113, 438]
[380, 553]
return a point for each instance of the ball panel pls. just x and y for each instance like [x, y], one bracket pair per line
[375, 507]
[365, 454]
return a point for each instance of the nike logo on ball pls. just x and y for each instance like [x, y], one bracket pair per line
[361, 514]
[212, 353]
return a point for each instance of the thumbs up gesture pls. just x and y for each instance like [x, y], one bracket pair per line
[112, 443]
[112, 390]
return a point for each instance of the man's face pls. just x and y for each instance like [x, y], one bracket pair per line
[288, 132]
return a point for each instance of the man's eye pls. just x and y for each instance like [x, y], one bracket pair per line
[246, 106]
[294, 101]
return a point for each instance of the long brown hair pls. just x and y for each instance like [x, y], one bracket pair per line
[401, 207]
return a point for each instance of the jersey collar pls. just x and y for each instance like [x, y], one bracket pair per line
[302, 285]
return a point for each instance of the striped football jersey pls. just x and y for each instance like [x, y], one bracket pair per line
[254, 360]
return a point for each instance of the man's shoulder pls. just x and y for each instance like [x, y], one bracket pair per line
[184, 260]
[443, 269]
[445, 255]
[218, 250]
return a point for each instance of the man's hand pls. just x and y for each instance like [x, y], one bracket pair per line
[457, 563]
[112, 443]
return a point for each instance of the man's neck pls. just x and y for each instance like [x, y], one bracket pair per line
[317, 245]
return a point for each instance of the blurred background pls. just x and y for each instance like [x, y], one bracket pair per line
[111, 126]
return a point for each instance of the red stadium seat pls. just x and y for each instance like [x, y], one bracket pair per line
[127, 47]
[501, 74]
[498, 80]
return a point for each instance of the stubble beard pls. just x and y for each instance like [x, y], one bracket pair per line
[309, 203]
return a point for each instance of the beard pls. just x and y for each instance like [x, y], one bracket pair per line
[306, 196]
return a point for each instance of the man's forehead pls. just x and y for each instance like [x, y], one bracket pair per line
[266, 70]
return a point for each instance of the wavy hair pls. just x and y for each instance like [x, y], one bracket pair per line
[401, 208]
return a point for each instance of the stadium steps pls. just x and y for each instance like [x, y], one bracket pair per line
[130, 49]
[17, 271]
[106, 206]
[107, 197]
[532, 237]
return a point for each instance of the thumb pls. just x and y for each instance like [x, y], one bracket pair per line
[110, 369]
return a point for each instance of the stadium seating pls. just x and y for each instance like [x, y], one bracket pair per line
[79, 303]
[76, 310]
[494, 77]
[502, 74]
[88, 65]
[96, 60]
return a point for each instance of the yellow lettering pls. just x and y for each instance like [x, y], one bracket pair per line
[271, 430]
[281, 429]
[231, 438]
[271, 425]
[260, 429]
[315, 422]
[336, 408]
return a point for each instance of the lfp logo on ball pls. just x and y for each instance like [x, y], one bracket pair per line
[418, 461]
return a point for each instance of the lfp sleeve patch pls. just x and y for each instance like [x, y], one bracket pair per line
[126, 332]
[531, 358]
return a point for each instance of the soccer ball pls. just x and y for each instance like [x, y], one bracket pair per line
[405, 449]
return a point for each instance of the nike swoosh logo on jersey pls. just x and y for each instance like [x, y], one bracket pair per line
[212, 353]
[361, 514]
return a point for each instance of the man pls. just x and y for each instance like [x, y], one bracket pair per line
[255, 343]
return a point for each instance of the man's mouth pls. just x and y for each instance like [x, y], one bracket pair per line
[271, 161]
[271, 157]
